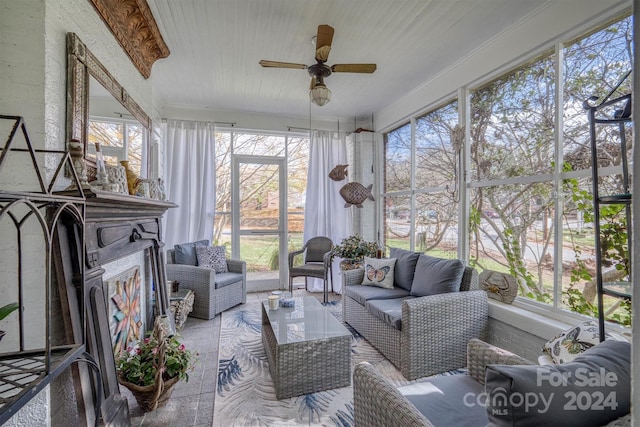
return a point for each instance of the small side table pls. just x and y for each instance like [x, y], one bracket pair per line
[181, 305]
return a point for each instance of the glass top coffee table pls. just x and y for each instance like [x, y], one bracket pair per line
[308, 349]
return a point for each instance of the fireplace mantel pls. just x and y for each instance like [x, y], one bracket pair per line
[117, 226]
[116, 206]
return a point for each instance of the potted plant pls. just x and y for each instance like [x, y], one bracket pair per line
[352, 250]
[152, 367]
[5, 311]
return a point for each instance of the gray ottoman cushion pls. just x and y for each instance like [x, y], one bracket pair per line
[405, 267]
[364, 293]
[448, 400]
[387, 310]
[592, 390]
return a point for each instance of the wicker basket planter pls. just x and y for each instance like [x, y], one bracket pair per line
[151, 397]
[149, 361]
[350, 264]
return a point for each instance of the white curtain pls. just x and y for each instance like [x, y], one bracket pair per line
[324, 212]
[190, 181]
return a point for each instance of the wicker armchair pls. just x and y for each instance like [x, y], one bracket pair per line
[434, 330]
[378, 403]
[214, 292]
[317, 263]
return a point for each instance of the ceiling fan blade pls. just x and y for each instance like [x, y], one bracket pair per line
[277, 64]
[324, 38]
[353, 68]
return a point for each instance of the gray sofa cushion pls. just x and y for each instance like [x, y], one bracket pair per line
[226, 279]
[185, 253]
[596, 389]
[387, 310]
[362, 294]
[405, 267]
[442, 400]
[436, 276]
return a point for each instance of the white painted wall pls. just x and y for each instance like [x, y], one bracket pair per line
[33, 85]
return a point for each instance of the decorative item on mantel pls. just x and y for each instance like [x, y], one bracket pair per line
[132, 179]
[151, 369]
[102, 181]
[352, 250]
[118, 178]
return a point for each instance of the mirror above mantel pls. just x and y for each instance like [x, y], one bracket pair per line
[88, 83]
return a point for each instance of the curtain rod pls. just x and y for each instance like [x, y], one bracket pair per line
[299, 128]
[232, 124]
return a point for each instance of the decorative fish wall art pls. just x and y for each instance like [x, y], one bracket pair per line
[339, 172]
[355, 193]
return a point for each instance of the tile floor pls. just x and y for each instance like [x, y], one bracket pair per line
[191, 403]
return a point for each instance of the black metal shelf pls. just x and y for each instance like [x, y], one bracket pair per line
[24, 374]
[615, 199]
[606, 290]
[610, 111]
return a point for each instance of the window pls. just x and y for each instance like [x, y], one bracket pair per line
[294, 147]
[421, 207]
[512, 157]
[528, 187]
[438, 143]
[397, 167]
[593, 66]
[120, 139]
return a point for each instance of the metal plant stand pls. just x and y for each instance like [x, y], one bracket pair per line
[611, 112]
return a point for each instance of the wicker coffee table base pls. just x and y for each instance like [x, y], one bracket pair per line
[307, 366]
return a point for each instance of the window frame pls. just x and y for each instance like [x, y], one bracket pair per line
[466, 184]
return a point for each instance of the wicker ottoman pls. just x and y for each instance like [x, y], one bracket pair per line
[308, 349]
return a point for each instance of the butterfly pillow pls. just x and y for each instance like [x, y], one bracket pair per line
[379, 272]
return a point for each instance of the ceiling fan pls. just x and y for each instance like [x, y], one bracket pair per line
[319, 92]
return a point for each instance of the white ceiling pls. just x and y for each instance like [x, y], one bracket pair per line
[216, 45]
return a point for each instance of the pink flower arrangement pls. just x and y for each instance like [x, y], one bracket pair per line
[140, 363]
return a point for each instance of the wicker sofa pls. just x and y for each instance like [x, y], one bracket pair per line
[467, 399]
[422, 335]
[214, 292]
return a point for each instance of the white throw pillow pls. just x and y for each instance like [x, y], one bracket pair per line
[379, 272]
[212, 257]
[571, 343]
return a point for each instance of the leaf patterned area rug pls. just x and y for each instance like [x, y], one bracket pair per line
[245, 394]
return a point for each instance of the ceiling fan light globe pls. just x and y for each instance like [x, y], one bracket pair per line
[320, 95]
